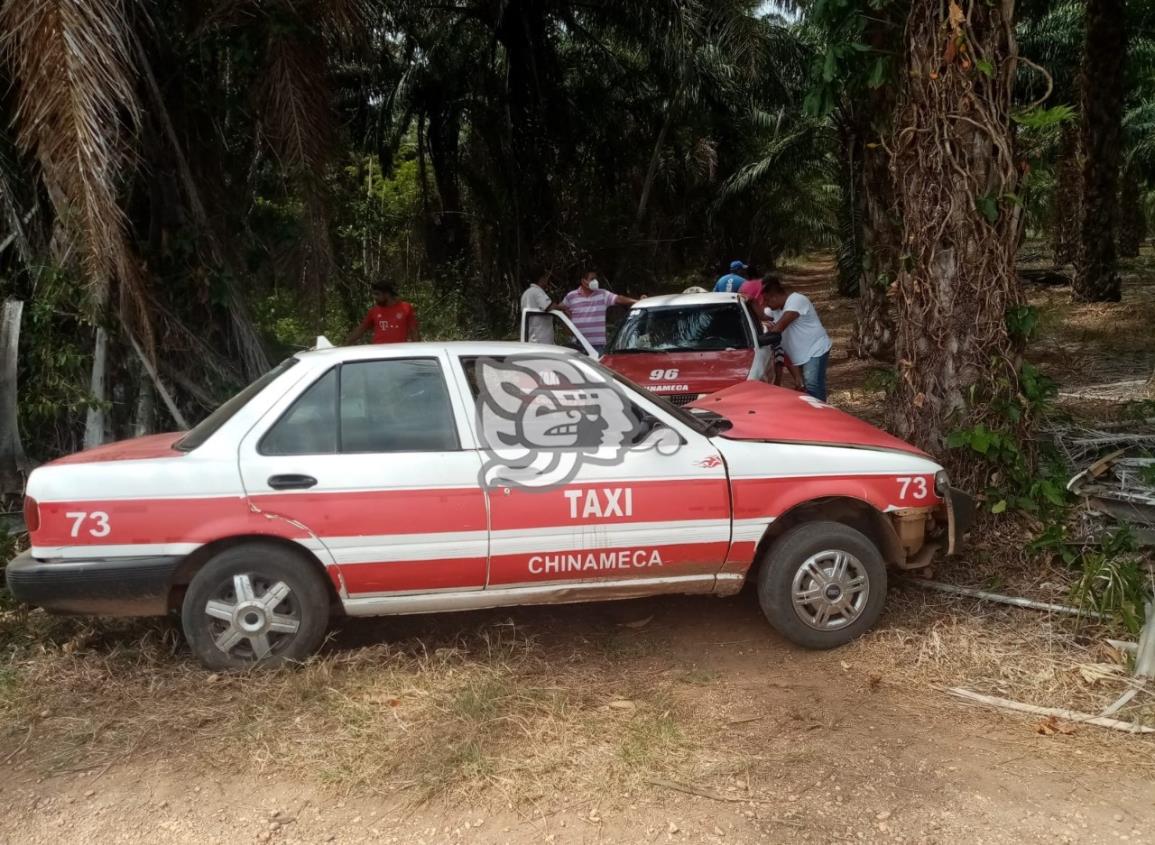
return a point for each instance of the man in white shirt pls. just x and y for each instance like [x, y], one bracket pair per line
[535, 298]
[804, 339]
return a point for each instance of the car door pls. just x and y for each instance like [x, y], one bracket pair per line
[761, 370]
[641, 518]
[555, 328]
[366, 460]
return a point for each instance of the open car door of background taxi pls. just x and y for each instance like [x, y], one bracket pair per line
[556, 328]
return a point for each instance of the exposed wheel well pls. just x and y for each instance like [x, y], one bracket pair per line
[856, 513]
[197, 559]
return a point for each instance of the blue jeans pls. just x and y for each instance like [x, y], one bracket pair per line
[814, 376]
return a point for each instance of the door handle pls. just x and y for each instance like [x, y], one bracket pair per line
[292, 482]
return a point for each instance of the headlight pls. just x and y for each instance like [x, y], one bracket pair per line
[941, 483]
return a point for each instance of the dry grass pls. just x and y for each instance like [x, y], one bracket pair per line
[456, 714]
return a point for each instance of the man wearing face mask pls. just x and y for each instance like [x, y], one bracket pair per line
[587, 306]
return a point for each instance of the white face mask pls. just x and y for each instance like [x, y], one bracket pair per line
[594, 284]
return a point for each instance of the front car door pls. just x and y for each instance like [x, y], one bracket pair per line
[646, 513]
[554, 328]
[762, 369]
[366, 462]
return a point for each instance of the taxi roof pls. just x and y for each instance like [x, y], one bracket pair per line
[686, 300]
[406, 350]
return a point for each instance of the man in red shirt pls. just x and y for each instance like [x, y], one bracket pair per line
[392, 319]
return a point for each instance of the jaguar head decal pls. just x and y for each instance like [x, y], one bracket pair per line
[540, 418]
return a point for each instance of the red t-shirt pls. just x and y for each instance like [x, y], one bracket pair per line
[751, 289]
[392, 323]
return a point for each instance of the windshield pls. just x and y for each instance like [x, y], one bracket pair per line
[210, 424]
[682, 328]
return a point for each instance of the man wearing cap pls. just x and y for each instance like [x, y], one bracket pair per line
[732, 280]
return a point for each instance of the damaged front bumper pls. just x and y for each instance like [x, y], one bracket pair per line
[960, 513]
[920, 534]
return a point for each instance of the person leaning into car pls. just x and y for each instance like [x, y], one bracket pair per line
[804, 339]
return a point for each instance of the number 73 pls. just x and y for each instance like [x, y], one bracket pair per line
[919, 483]
[98, 525]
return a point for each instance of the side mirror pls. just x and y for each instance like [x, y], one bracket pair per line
[769, 338]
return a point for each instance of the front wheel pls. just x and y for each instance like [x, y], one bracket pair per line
[255, 605]
[822, 585]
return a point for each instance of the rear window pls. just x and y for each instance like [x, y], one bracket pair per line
[209, 426]
[369, 407]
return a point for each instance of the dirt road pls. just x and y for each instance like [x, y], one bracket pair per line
[779, 745]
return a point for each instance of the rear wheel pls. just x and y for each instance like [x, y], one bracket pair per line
[255, 605]
[823, 584]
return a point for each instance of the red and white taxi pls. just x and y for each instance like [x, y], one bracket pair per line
[681, 346]
[354, 481]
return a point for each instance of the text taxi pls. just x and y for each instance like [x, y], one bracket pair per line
[424, 477]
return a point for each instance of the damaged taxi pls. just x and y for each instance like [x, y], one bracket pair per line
[432, 477]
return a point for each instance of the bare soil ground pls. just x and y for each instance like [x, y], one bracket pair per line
[676, 720]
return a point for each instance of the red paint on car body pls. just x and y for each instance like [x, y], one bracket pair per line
[760, 411]
[136, 449]
[698, 372]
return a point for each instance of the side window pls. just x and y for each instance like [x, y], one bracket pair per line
[635, 416]
[309, 427]
[398, 405]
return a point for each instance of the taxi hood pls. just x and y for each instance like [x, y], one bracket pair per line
[683, 372]
[760, 411]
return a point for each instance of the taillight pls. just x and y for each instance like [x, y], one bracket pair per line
[31, 514]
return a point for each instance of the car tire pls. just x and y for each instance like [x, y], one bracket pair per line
[255, 605]
[822, 584]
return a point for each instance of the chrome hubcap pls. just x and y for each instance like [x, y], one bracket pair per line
[830, 590]
[252, 617]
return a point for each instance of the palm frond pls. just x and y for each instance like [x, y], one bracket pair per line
[77, 113]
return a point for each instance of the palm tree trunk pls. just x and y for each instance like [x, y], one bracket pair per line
[1101, 98]
[850, 205]
[1065, 199]
[874, 323]
[954, 173]
[652, 169]
[144, 417]
[14, 464]
[95, 427]
[1133, 223]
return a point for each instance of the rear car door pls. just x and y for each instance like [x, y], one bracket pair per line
[366, 462]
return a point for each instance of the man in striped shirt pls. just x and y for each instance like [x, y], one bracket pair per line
[587, 306]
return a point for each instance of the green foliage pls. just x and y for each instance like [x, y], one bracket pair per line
[1112, 578]
[1019, 478]
[9, 544]
[881, 380]
[55, 356]
[857, 51]
[989, 208]
[1044, 118]
[1022, 323]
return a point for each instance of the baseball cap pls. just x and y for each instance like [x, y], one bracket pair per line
[737, 265]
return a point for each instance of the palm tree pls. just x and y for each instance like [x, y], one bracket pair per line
[1101, 106]
[854, 77]
[956, 180]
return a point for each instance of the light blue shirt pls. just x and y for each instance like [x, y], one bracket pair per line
[728, 283]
